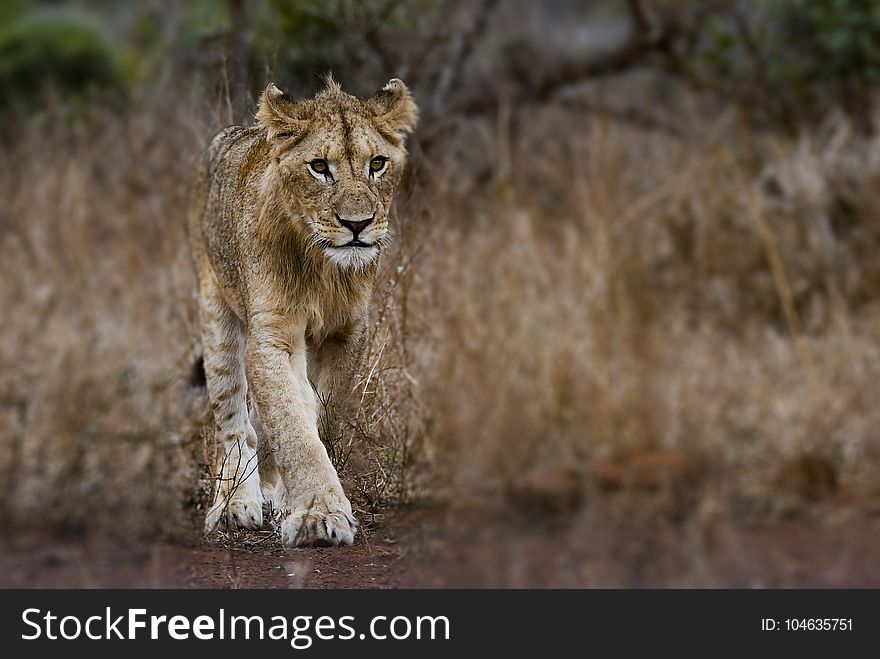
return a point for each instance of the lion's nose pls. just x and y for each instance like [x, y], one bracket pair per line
[354, 227]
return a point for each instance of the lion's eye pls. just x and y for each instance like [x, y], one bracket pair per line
[378, 163]
[319, 166]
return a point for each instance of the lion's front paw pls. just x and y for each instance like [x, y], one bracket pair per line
[327, 522]
[243, 511]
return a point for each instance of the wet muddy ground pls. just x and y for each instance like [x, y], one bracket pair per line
[435, 547]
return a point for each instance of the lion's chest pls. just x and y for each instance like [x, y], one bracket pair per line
[334, 311]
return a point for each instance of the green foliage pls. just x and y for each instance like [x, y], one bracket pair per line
[67, 56]
[303, 38]
[10, 10]
[313, 21]
[794, 60]
[844, 33]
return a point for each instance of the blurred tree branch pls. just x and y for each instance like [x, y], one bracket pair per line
[238, 62]
[647, 38]
[463, 47]
[372, 31]
[469, 57]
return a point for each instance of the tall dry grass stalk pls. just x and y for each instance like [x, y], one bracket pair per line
[556, 295]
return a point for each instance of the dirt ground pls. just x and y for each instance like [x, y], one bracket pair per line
[434, 547]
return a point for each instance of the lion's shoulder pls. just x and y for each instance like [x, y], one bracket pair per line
[229, 149]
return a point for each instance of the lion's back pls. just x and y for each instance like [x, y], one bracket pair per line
[217, 204]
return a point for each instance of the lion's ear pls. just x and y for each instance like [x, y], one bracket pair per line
[394, 108]
[279, 113]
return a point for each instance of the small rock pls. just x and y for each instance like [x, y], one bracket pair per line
[810, 476]
[547, 490]
[647, 469]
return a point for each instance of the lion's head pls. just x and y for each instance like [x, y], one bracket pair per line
[339, 159]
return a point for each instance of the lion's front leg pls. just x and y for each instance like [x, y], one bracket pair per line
[309, 496]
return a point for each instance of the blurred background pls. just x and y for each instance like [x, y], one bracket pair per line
[627, 335]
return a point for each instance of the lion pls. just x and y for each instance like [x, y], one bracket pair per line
[287, 223]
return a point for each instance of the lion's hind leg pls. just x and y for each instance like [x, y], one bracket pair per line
[269, 476]
[238, 502]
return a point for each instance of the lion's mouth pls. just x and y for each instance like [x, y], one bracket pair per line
[354, 243]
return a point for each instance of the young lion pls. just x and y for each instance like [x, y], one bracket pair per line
[286, 226]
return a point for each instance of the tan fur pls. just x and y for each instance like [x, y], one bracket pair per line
[282, 301]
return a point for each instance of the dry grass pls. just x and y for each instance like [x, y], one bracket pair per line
[625, 291]
[557, 294]
[97, 293]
